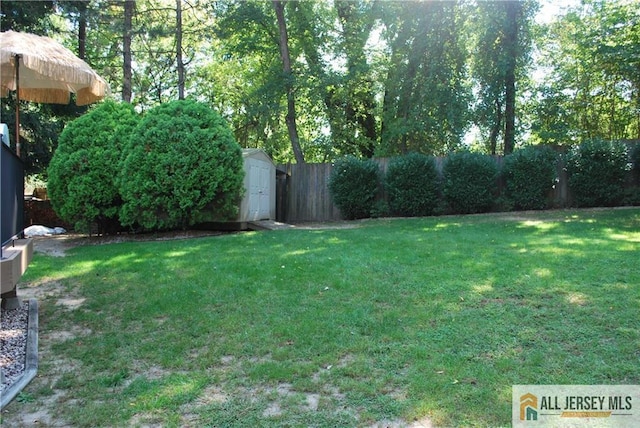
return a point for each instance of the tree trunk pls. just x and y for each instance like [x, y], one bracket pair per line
[509, 112]
[129, 6]
[179, 49]
[638, 110]
[495, 129]
[290, 119]
[511, 39]
[82, 32]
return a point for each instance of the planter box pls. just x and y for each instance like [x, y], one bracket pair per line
[15, 259]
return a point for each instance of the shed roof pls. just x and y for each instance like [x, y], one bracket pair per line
[257, 154]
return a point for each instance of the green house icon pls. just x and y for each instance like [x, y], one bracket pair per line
[528, 407]
[531, 414]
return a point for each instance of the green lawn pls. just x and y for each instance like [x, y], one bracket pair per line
[393, 320]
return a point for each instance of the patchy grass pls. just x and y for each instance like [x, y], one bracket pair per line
[395, 321]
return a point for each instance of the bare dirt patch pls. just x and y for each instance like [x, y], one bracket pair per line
[55, 246]
[58, 245]
[40, 403]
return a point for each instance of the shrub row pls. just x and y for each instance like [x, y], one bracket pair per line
[473, 183]
[113, 168]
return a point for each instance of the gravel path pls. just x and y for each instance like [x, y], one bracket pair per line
[13, 344]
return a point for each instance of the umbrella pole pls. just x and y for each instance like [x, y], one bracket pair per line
[18, 105]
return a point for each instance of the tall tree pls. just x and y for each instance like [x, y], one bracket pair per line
[245, 73]
[77, 13]
[129, 9]
[513, 17]
[28, 16]
[356, 22]
[336, 69]
[82, 11]
[179, 63]
[311, 24]
[502, 49]
[290, 119]
[425, 99]
[592, 58]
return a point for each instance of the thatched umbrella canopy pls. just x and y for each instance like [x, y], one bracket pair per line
[41, 70]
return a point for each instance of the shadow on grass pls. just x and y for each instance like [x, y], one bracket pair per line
[395, 320]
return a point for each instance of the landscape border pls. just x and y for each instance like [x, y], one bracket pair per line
[31, 362]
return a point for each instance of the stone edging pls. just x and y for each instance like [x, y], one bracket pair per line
[31, 363]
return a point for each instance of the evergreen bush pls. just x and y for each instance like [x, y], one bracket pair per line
[82, 174]
[469, 182]
[412, 184]
[529, 175]
[635, 160]
[353, 185]
[181, 158]
[597, 172]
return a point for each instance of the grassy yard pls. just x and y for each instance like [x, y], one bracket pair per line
[389, 322]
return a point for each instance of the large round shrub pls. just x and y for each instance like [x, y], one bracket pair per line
[181, 158]
[597, 172]
[529, 175]
[412, 185]
[469, 182]
[82, 173]
[353, 184]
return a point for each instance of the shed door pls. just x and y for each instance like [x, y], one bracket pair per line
[259, 197]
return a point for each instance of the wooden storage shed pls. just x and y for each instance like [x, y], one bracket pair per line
[259, 200]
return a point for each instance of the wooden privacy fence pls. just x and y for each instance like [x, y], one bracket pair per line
[303, 192]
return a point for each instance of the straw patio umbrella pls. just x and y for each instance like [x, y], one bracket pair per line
[41, 70]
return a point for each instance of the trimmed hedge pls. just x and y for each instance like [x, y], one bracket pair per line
[529, 175]
[82, 174]
[469, 182]
[181, 158]
[353, 185]
[635, 159]
[413, 185]
[597, 172]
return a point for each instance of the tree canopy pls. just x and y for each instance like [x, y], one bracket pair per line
[361, 77]
[592, 85]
